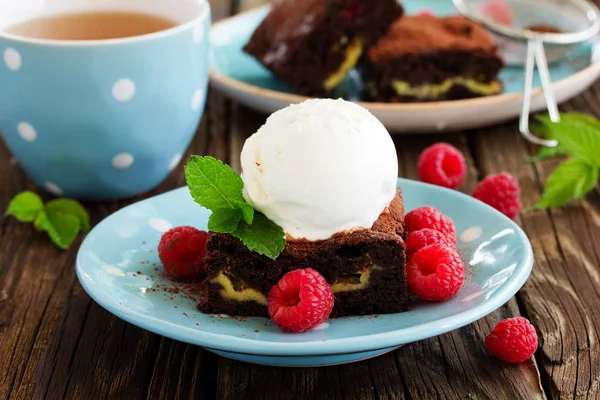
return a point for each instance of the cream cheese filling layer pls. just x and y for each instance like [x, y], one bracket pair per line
[354, 50]
[434, 90]
[235, 289]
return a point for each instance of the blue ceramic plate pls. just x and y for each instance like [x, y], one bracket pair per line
[119, 268]
[241, 77]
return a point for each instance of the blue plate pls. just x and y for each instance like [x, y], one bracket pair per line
[241, 77]
[118, 266]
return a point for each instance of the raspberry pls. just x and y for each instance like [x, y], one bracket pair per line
[425, 14]
[429, 217]
[443, 165]
[301, 300]
[182, 250]
[353, 9]
[513, 340]
[501, 192]
[498, 11]
[435, 273]
[425, 237]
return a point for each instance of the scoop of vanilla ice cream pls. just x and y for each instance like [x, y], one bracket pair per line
[320, 167]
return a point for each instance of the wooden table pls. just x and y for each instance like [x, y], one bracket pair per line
[55, 342]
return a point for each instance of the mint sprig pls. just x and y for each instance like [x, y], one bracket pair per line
[61, 219]
[571, 179]
[263, 236]
[215, 186]
[579, 137]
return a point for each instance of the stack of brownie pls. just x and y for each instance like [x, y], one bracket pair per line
[313, 44]
[365, 268]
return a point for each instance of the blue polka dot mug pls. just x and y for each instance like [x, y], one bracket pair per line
[103, 119]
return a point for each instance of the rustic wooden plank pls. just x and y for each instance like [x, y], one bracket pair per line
[562, 297]
[183, 372]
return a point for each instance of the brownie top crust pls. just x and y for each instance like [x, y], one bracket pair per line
[428, 34]
[283, 29]
[390, 222]
[343, 253]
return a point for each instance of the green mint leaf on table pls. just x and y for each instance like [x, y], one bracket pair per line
[25, 206]
[263, 236]
[61, 219]
[68, 206]
[224, 220]
[571, 179]
[577, 134]
[62, 228]
[546, 152]
[571, 117]
[579, 139]
[214, 185]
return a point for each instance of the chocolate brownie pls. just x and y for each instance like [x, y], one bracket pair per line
[312, 44]
[430, 59]
[365, 267]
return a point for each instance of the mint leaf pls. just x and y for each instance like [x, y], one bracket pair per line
[545, 129]
[246, 209]
[216, 186]
[586, 183]
[68, 206]
[571, 179]
[578, 135]
[570, 117]
[62, 219]
[25, 206]
[548, 152]
[263, 236]
[213, 184]
[224, 220]
[62, 228]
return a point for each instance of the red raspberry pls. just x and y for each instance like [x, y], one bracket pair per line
[301, 300]
[501, 192]
[443, 165]
[182, 250]
[435, 273]
[498, 11]
[513, 340]
[353, 9]
[425, 14]
[425, 237]
[429, 217]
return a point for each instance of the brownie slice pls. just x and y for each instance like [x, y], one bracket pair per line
[430, 59]
[312, 44]
[365, 267]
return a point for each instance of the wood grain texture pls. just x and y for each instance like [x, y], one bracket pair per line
[562, 297]
[56, 343]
